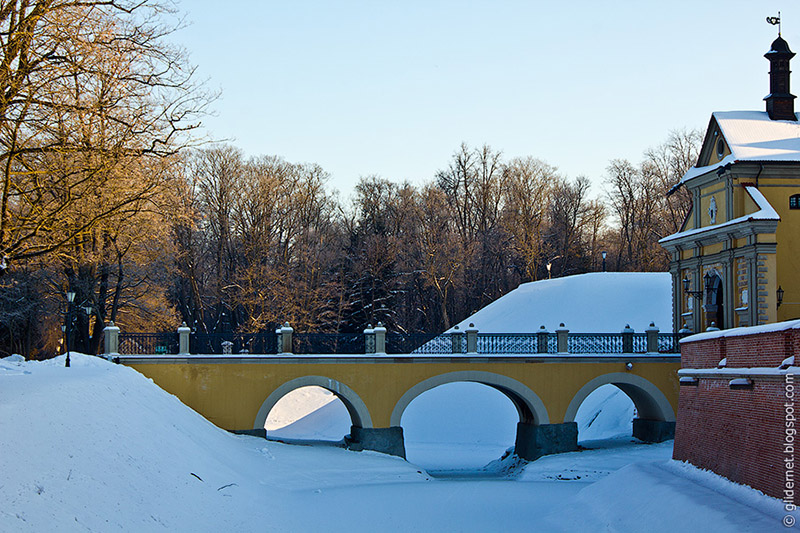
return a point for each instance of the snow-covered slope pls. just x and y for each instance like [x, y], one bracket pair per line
[98, 447]
[598, 302]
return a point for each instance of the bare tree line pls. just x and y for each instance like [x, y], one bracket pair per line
[103, 195]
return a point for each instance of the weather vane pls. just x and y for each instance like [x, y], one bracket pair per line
[776, 21]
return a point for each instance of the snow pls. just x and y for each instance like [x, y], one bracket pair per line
[744, 330]
[451, 427]
[98, 447]
[597, 302]
[753, 136]
[741, 371]
[765, 212]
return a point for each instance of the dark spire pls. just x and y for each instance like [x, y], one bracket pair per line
[780, 103]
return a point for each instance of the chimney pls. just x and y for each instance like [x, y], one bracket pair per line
[780, 103]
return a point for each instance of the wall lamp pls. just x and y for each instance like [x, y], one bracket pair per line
[708, 283]
[779, 294]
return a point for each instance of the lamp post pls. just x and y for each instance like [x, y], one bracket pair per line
[604, 253]
[70, 299]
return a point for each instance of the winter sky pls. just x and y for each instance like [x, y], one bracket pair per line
[392, 88]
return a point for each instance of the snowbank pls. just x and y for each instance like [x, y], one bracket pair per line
[598, 302]
[98, 447]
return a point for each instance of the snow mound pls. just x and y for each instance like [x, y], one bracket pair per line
[686, 495]
[598, 302]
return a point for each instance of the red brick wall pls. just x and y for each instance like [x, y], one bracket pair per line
[739, 434]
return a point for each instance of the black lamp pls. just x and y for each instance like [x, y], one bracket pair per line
[70, 299]
[779, 294]
[604, 253]
[695, 294]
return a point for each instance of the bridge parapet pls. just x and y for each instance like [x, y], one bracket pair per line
[378, 341]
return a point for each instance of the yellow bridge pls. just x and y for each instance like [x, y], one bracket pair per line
[237, 392]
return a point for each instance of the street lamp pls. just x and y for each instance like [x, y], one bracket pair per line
[70, 299]
[604, 253]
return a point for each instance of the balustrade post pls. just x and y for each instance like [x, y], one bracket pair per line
[562, 338]
[369, 340]
[111, 338]
[541, 339]
[627, 339]
[183, 339]
[472, 339]
[380, 339]
[652, 338]
[286, 339]
[455, 338]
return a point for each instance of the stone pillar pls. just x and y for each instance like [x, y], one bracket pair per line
[627, 339]
[652, 338]
[384, 440]
[456, 338]
[183, 339]
[653, 430]
[536, 440]
[369, 340]
[111, 338]
[472, 339]
[286, 339]
[541, 340]
[561, 338]
[380, 339]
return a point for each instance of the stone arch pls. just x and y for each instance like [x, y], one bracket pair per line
[359, 414]
[650, 402]
[530, 407]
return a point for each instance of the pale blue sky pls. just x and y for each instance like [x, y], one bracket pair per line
[393, 88]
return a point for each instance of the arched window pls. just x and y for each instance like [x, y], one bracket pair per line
[794, 201]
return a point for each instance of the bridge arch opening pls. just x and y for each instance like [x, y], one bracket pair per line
[355, 407]
[655, 417]
[464, 420]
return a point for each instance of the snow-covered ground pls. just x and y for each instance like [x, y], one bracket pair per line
[597, 302]
[453, 426]
[98, 447]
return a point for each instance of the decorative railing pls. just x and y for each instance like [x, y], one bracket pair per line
[378, 341]
[149, 343]
[397, 343]
[332, 343]
[240, 343]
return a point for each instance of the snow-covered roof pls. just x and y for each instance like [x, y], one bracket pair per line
[597, 302]
[765, 212]
[753, 136]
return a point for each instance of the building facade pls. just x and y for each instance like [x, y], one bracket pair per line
[736, 260]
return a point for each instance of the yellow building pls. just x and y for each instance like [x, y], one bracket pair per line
[736, 260]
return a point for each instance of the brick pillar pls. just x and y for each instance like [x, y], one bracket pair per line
[541, 340]
[472, 339]
[111, 338]
[286, 339]
[652, 338]
[183, 339]
[380, 339]
[561, 337]
[627, 339]
[369, 340]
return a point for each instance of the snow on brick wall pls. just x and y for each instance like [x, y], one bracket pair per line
[737, 432]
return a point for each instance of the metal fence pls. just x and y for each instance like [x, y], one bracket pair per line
[396, 343]
[149, 343]
[330, 343]
[240, 343]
